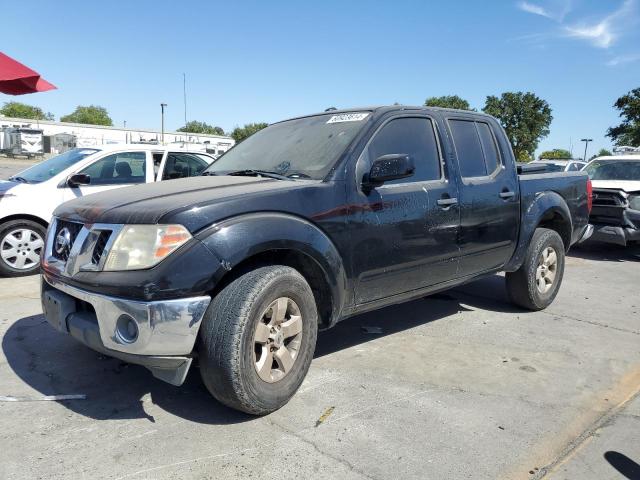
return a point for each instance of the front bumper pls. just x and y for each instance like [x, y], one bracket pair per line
[159, 335]
[615, 234]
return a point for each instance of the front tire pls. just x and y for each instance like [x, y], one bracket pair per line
[536, 283]
[21, 242]
[257, 339]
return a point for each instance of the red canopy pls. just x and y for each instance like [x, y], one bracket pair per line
[18, 79]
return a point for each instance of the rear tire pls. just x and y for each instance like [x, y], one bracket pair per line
[257, 339]
[535, 284]
[21, 242]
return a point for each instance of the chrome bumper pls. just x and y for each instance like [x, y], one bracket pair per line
[165, 327]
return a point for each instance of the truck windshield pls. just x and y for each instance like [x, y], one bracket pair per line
[613, 170]
[300, 148]
[50, 168]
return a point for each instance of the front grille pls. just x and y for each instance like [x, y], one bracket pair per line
[101, 243]
[63, 242]
[608, 199]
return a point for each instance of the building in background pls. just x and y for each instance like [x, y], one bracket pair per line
[60, 136]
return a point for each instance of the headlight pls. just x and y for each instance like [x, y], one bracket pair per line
[143, 246]
[634, 202]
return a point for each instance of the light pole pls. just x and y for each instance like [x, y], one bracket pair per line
[586, 144]
[162, 105]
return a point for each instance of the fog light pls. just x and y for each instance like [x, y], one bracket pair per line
[126, 329]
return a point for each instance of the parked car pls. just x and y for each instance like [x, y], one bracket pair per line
[303, 224]
[616, 198]
[29, 198]
[561, 165]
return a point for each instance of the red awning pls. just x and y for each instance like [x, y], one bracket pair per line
[18, 79]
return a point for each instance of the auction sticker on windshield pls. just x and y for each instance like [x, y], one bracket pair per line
[348, 117]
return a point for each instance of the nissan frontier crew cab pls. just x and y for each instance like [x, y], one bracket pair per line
[307, 222]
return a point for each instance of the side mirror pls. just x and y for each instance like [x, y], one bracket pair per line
[389, 167]
[78, 179]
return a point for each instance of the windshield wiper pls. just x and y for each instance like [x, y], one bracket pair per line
[298, 175]
[259, 173]
[19, 179]
[205, 174]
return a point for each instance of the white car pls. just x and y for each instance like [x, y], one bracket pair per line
[28, 199]
[616, 198]
[560, 165]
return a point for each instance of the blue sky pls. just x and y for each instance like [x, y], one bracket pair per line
[265, 61]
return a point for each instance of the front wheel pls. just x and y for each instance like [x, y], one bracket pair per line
[257, 339]
[21, 242]
[536, 283]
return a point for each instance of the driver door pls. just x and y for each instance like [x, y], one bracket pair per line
[113, 171]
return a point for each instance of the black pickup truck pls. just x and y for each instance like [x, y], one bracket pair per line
[307, 222]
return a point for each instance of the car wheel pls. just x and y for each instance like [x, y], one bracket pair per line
[257, 339]
[21, 242]
[536, 283]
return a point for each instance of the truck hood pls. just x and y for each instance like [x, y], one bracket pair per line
[626, 185]
[175, 201]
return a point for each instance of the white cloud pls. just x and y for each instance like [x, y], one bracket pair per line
[606, 32]
[555, 12]
[624, 59]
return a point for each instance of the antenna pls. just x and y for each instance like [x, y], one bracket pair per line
[184, 89]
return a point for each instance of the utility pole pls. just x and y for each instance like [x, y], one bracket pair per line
[162, 105]
[184, 89]
[586, 144]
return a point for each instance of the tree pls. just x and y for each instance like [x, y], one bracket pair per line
[556, 153]
[603, 153]
[525, 118]
[195, 126]
[448, 101]
[22, 110]
[628, 132]
[91, 115]
[240, 133]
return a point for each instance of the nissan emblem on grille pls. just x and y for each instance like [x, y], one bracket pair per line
[63, 241]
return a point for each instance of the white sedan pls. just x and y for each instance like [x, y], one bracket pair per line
[28, 199]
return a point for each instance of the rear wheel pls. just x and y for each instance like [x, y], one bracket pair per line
[257, 339]
[21, 242]
[536, 283]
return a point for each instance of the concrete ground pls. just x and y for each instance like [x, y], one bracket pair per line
[459, 385]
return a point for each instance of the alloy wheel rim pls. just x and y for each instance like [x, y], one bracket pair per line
[277, 340]
[546, 270]
[21, 248]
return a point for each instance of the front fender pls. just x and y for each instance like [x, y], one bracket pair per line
[239, 238]
[540, 205]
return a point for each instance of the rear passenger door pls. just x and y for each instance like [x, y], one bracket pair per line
[489, 196]
[404, 232]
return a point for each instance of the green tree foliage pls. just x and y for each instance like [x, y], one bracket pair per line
[195, 126]
[22, 110]
[604, 153]
[524, 116]
[91, 115]
[628, 132]
[448, 101]
[240, 133]
[556, 154]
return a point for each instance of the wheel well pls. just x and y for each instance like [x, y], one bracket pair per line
[303, 263]
[33, 218]
[555, 221]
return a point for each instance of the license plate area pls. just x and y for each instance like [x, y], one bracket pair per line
[57, 306]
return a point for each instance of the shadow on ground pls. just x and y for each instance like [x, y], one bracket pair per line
[55, 364]
[606, 252]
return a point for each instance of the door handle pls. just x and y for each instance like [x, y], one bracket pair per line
[507, 194]
[447, 202]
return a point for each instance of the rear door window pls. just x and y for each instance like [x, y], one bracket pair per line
[182, 165]
[476, 148]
